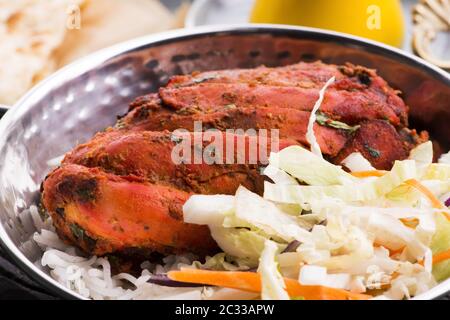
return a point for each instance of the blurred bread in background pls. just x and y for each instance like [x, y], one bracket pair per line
[35, 40]
[105, 22]
[30, 31]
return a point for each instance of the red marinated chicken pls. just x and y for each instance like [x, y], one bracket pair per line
[148, 155]
[104, 213]
[122, 192]
[282, 98]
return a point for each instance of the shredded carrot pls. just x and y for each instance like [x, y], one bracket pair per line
[437, 205]
[439, 257]
[426, 192]
[446, 215]
[410, 222]
[251, 281]
[392, 252]
[366, 174]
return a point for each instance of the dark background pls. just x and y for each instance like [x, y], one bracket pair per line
[14, 284]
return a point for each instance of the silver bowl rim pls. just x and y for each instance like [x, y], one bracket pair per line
[89, 62]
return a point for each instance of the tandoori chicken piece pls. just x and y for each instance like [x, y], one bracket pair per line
[291, 123]
[381, 144]
[118, 191]
[335, 139]
[358, 93]
[154, 157]
[123, 191]
[279, 98]
[103, 213]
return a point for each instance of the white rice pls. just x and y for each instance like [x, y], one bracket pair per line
[91, 277]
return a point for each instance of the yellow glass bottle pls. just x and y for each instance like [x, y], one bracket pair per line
[380, 20]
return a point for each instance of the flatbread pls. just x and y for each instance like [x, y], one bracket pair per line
[107, 22]
[35, 40]
[30, 31]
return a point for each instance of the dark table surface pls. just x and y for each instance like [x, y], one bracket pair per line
[15, 284]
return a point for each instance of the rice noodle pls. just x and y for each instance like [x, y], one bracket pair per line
[91, 277]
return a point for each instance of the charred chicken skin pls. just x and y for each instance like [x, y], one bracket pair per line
[122, 192]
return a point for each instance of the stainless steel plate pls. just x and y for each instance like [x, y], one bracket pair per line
[86, 96]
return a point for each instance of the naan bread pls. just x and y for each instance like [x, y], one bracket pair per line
[35, 40]
[106, 22]
[30, 31]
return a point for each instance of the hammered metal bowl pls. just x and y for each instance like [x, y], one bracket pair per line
[85, 97]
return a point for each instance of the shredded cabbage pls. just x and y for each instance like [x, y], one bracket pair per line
[266, 216]
[437, 171]
[410, 196]
[222, 261]
[352, 233]
[308, 167]
[445, 158]
[351, 192]
[208, 210]
[279, 176]
[310, 137]
[315, 275]
[272, 283]
[356, 162]
[240, 243]
[440, 243]
[422, 154]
